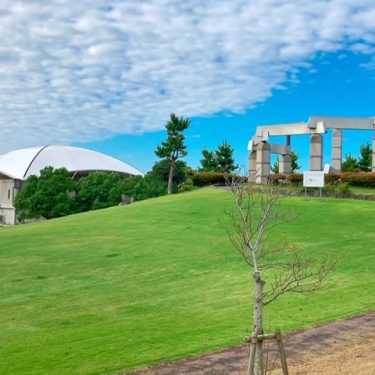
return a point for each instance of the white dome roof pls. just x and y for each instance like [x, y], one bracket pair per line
[23, 163]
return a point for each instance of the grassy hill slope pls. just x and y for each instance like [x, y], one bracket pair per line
[115, 289]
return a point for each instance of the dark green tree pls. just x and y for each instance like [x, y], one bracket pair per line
[209, 161]
[160, 171]
[98, 190]
[220, 160]
[365, 159]
[294, 161]
[174, 147]
[224, 157]
[275, 167]
[50, 195]
[350, 164]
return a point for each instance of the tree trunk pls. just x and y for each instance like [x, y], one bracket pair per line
[170, 177]
[258, 322]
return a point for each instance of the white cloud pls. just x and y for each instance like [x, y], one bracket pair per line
[82, 70]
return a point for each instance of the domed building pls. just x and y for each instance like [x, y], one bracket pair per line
[17, 166]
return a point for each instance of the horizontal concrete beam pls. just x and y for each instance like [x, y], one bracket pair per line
[280, 149]
[297, 128]
[360, 123]
[275, 149]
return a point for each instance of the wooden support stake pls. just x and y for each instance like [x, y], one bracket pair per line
[260, 337]
[252, 358]
[279, 340]
[253, 341]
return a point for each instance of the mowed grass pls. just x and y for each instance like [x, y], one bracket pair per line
[116, 289]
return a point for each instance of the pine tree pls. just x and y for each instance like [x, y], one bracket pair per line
[174, 147]
[220, 160]
[365, 160]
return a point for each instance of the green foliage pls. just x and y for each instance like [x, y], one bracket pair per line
[220, 160]
[55, 193]
[343, 188]
[365, 159]
[174, 147]
[148, 187]
[275, 167]
[160, 171]
[363, 163]
[224, 158]
[332, 178]
[50, 195]
[209, 178]
[295, 178]
[209, 162]
[350, 164]
[98, 190]
[362, 179]
[294, 161]
[276, 178]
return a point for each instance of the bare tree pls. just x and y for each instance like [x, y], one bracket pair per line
[257, 211]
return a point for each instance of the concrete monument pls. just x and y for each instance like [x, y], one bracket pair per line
[260, 149]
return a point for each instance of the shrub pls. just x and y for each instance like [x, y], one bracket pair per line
[50, 195]
[362, 179]
[98, 190]
[160, 171]
[277, 177]
[295, 178]
[186, 186]
[329, 188]
[332, 178]
[209, 178]
[343, 188]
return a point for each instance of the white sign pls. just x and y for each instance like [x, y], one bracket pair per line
[313, 179]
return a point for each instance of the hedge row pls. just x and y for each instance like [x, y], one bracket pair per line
[363, 179]
[294, 178]
[211, 178]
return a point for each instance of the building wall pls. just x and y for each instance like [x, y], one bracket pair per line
[8, 191]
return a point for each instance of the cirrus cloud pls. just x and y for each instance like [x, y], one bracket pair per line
[89, 69]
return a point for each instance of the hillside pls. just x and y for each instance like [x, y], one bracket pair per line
[114, 289]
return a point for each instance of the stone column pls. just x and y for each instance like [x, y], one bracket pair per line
[337, 149]
[316, 152]
[373, 154]
[263, 163]
[285, 164]
[252, 166]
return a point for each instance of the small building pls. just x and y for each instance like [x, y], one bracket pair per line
[17, 166]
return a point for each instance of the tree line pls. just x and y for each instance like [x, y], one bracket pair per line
[54, 193]
[362, 163]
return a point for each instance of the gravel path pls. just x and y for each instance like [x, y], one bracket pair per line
[343, 347]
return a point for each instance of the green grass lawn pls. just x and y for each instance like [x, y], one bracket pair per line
[362, 190]
[329, 189]
[130, 286]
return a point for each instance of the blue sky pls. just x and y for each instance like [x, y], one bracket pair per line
[107, 74]
[335, 84]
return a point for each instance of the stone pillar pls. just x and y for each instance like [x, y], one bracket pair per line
[316, 152]
[263, 163]
[285, 164]
[373, 154]
[252, 166]
[337, 149]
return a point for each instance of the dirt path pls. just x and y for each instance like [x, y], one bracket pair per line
[338, 348]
